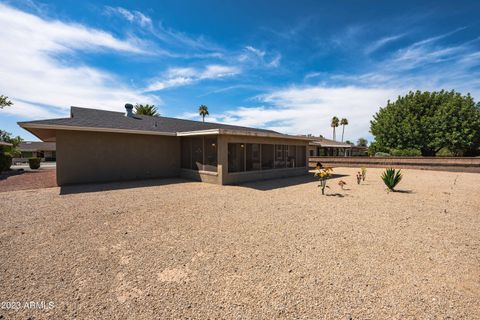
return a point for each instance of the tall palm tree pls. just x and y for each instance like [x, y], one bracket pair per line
[343, 122]
[203, 111]
[146, 110]
[334, 124]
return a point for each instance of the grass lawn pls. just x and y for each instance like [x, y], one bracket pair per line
[273, 249]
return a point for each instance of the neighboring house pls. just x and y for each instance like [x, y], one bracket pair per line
[322, 147]
[97, 145]
[5, 144]
[37, 149]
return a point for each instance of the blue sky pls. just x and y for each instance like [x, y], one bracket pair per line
[284, 65]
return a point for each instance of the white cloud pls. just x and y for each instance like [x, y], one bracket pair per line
[175, 77]
[303, 110]
[382, 42]
[257, 57]
[256, 51]
[33, 69]
[131, 16]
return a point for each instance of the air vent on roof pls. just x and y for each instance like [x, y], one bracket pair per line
[129, 108]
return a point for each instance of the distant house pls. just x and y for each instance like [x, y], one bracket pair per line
[44, 150]
[5, 144]
[96, 145]
[321, 147]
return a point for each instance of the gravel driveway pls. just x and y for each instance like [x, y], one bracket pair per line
[278, 249]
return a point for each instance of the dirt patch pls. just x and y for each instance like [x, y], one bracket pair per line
[24, 180]
[265, 250]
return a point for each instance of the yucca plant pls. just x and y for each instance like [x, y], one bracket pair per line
[391, 178]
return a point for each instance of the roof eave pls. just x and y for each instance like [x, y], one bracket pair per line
[27, 126]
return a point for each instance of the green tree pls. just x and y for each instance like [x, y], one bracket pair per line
[334, 124]
[203, 111]
[15, 141]
[428, 121]
[146, 110]
[362, 142]
[343, 123]
[4, 102]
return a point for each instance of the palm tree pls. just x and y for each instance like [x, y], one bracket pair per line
[146, 110]
[343, 123]
[334, 124]
[4, 102]
[203, 111]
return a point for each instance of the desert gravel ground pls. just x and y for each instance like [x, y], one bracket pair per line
[278, 249]
[28, 179]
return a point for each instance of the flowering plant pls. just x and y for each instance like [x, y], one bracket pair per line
[323, 174]
[359, 177]
[364, 173]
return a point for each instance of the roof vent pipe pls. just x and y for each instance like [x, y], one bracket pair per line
[129, 108]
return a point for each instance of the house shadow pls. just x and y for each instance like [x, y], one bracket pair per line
[119, 185]
[11, 173]
[271, 184]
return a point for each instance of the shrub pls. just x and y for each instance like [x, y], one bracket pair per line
[382, 154]
[34, 163]
[405, 152]
[5, 161]
[391, 178]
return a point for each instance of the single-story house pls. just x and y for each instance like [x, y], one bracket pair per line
[38, 149]
[97, 145]
[321, 147]
[5, 144]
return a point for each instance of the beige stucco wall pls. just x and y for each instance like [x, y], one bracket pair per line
[84, 157]
[239, 177]
[204, 176]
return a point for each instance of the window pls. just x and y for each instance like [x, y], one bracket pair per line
[236, 157]
[267, 156]
[301, 156]
[210, 147]
[186, 159]
[253, 157]
[199, 153]
[279, 156]
[291, 156]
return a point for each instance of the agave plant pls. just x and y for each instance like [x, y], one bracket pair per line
[391, 178]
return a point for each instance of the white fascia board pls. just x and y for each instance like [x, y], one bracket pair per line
[198, 132]
[93, 129]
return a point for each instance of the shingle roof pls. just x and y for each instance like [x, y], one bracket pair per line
[36, 146]
[329, 143]
[94, 118]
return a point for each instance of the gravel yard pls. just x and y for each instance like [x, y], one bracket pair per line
[28, 179]
[276, 249]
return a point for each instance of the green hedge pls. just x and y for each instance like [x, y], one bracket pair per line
[405, 152]
[34, 163]
[5, 161]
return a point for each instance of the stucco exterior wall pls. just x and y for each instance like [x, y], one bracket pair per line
[84, 157]
[239, 177]
[204, 176]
